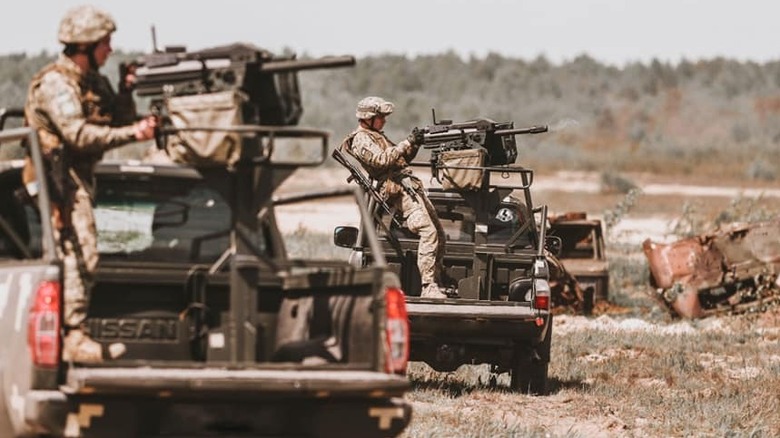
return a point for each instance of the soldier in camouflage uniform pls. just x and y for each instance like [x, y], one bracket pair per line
[78, 117]
[388, 163]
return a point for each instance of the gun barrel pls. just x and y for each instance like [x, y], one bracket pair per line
[531, 130]
[307, 64]
[451, 134]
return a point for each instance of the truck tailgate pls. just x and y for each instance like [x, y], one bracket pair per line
[459, 320]
[173, 382]
[420, 307]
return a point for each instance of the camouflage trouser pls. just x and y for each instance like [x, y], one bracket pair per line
[79, 261]
[421, 219]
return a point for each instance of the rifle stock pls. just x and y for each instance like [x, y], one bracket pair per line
[358, 177]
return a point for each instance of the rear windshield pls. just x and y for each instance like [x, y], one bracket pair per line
[162, 220]
[458, 222]
[579, 241]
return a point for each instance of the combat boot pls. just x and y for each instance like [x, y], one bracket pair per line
[80, 348]
[432, 291]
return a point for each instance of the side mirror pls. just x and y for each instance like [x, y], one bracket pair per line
[553, 244]
[345, 237]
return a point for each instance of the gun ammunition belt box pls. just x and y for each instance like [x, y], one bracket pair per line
[205, 148]
[462, 169]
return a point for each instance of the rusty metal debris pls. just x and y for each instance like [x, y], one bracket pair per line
[732, 270]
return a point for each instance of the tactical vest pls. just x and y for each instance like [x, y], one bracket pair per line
[98, 104]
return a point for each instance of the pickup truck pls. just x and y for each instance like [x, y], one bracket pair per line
[495, 255]
[226, 333]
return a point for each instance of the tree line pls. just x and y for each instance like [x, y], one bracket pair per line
[715, 116]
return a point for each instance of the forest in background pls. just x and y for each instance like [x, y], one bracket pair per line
[715, 119]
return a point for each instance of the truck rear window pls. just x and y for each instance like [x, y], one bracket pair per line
[458, 222]
[170, 220]
[579, 241]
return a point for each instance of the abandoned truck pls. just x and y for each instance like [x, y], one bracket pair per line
[583, 253]
[495, 256]
[225, 331]
[730, 270]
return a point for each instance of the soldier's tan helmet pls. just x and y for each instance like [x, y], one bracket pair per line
[85, 25]
[372, 106]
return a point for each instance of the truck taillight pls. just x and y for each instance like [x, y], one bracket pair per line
[43, 330]
[542, 295]
[397, 330]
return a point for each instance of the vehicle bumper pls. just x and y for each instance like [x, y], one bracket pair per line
[102, 402]
[45, 412]
[447, 335]
[134, 417]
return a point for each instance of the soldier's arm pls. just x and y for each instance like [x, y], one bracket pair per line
[365, 149]
[409, 150]
[60, 101]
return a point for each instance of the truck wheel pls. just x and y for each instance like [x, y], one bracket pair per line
[5, 422]
[530, 377]
[529, 368]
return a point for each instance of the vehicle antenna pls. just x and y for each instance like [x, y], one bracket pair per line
[154, 41]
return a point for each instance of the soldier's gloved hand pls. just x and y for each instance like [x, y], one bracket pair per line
[416, 137]
[144, 128]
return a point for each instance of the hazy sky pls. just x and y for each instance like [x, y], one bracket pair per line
[613, 31]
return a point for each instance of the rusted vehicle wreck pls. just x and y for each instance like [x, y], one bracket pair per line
[731, 270]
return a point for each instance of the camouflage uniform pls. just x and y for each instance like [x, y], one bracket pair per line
[387, 163]
[80, 113]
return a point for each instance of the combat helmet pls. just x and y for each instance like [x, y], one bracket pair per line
[372, 106]
[85, 25]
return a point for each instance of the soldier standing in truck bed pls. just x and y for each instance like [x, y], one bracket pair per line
[388, 163]
[78, 117]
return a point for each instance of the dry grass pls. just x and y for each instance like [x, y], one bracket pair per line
[621, 377]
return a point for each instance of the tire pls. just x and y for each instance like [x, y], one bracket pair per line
[6, 430]
[530, 366]
[530, 377]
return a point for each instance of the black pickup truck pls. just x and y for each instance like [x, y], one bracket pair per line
[495, 255]
[226, 332]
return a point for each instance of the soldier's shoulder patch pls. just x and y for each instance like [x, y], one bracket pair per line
[65, 104]
[57, 90]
